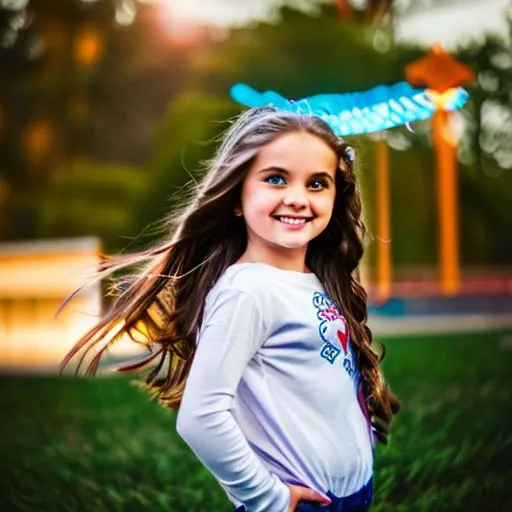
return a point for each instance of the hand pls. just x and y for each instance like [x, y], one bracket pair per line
[299, 493]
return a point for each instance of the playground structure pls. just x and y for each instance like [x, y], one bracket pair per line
[441, 74]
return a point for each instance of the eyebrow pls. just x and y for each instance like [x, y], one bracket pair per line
[285, 171]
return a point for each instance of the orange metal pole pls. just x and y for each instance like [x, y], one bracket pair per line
[447, 206]
[383, 222]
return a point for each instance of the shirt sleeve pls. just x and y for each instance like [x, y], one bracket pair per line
[232, 331]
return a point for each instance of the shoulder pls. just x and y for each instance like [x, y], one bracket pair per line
[248, 279]
[241, 294]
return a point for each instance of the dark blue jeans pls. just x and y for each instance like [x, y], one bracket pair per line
[360, 501]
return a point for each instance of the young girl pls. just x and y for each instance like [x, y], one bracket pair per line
[256, 321]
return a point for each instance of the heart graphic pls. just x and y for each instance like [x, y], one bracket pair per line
[343, 337]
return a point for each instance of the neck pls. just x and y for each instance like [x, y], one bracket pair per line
[285, 260]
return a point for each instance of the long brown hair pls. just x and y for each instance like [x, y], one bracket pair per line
[161, 304]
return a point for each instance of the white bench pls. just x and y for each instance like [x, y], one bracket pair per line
[35, 277]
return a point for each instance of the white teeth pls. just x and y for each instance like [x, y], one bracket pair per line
[292, 220]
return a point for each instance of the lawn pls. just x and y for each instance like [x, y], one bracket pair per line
[101, 445]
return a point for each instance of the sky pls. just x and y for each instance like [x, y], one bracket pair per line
[455, 25]
[450, 25]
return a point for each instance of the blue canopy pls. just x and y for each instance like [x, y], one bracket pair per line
[379, 108]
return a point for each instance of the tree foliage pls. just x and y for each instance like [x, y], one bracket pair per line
[93, 199]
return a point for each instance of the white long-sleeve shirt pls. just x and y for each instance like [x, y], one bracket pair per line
[272, 393]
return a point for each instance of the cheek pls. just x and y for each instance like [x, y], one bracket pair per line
[257, 201]
[325, 204]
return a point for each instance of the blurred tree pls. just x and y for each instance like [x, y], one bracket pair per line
[486, 151]
[374, 11]
[281, 58]
[78, 79]
[185, 140]
[93, 199]
[490, 122]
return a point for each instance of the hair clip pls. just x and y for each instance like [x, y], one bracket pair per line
[349, 155]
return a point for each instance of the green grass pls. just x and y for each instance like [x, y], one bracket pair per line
[101, 445]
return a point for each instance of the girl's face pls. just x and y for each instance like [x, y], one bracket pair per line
[288, 194]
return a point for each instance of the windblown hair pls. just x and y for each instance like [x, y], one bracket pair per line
[161, 304]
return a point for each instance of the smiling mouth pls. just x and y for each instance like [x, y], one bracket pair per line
[292, 220]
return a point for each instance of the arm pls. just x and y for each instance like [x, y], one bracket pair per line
[232, 333]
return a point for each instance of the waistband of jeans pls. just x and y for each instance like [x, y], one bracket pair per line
[360, 500]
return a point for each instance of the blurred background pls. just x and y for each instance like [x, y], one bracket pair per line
[108, 108]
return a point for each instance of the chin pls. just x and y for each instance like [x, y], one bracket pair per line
[293, 245]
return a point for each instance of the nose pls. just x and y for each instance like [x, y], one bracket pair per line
[296, 197]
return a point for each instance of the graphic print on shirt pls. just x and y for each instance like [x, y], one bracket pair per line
[333, 330]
